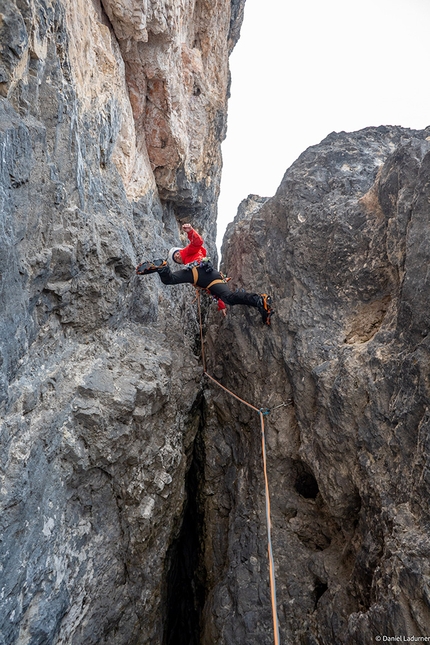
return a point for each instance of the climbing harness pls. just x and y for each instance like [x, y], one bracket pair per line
[196, 277]
[222, 280]
[262, 412]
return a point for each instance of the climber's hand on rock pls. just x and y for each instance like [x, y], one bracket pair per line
[187, 227]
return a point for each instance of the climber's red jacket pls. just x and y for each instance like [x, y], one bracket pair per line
[195, 249]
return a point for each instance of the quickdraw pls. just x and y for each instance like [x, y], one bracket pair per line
[266, 411]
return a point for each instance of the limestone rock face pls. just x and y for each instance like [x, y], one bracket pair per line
[109, 137]
[131, 489]
[343, 248]
[176, 62]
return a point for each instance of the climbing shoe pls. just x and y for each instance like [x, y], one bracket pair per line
[265, 309]
[150, 267]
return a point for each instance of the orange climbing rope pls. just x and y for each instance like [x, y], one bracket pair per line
[266, 481]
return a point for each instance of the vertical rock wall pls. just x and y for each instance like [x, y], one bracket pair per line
[343, 249]
[111, 118]
[132, 507]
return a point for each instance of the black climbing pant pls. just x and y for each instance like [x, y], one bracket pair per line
[219, 290]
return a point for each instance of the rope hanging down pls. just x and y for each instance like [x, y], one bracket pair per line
[262, 412]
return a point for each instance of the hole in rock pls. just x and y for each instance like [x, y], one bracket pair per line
[186, 573]
[306, 484]
[122, 271]
[320, 589]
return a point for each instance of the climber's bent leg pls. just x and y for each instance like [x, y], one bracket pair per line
[175, 277]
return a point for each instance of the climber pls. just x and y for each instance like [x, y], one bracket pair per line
[200, 272]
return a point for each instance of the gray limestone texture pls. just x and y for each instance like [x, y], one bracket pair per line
[131, 489]
[100, 384]
[343, 249]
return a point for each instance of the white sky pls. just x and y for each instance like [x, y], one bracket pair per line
[305, 68]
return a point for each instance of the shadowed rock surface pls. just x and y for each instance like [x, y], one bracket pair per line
[343, 249]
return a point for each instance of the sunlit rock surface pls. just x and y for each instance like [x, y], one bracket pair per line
[343, 249]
